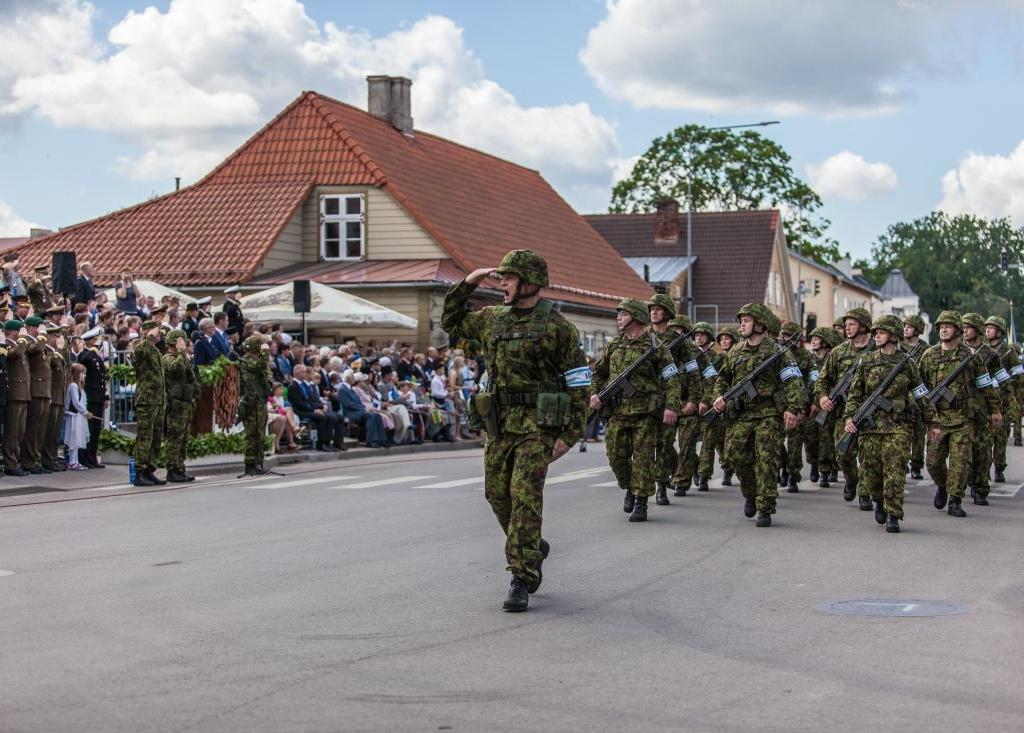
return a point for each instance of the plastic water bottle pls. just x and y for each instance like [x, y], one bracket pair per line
[131, 470]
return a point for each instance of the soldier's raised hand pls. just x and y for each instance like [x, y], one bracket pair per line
[478, 276]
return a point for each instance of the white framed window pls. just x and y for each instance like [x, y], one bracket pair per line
[342, 226]
[590, 343]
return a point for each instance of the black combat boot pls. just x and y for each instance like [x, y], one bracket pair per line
[880, 515]
[17, 471]
[749, 507]
[764, 519]
[518, 597]
[188, 477]
[175, 476]
[865, 503]
[727, 479]
[850, 490]
[915, 473]
[151, 475]
[639, 510]
[583, 446]
[628, 502]
[824, 480]
[545, 550]
[980, 500]
[783, 477]
[141, 479]
[681, 489]
[1017, 442]
[892, 524]
[999, 477]
[661, 496]
[814, 475]
[794, 478]
[940, 497]
[954, 509]
[703, 486]
[834, 476]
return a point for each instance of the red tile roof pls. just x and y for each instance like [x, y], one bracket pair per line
[372, 272]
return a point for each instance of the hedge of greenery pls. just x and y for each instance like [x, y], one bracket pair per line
[206, 444]
[209, 374]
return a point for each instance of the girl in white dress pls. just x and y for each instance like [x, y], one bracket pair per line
[76, 417]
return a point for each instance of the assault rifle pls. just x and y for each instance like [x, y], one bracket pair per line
[744, 390]
[865, 415]
[842, 388]
[942, 391]
[615, 389]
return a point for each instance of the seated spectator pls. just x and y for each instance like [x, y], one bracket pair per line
[370, 424]
[306, 402]
[281, 420]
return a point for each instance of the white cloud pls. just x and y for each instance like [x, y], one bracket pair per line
[189, 83]
[12, 225]
[787, 56]
[990, 186]
[848, 176]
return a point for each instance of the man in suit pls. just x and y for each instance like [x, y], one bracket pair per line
[85, 291]
[220, 336]
[204, 351]
[353, 410]
[305, 400]
[95, 394]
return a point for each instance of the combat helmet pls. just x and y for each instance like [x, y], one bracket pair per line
[635, 308]
[253, 344]
[731, 332]
[889, 323]
[761, 314]
[838, 322]
[175, 334]
[682, 322]
[825, 334]
[660, 299]
[973, 319]
[917, 322]
[527, 264]
[790, 327]
[952, 317]
[860, 315]
[997, 321]
[705, 328]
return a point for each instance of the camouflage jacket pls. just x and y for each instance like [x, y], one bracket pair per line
[656, 384]
[904, 391]
[149, 374]
[254, 385]
[39, 296]
[972, 387]
[522, 362]
[778, 389]
[711, 366]
[688, 360]
[1007, 374]
[180, 381]
[838, 361]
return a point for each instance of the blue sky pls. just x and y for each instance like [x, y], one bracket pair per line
[890, 109]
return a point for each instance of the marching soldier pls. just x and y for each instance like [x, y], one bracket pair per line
[39, 389]
[949, 429]
[182, 387]
[821, 450]
[797, 437]
[534, 407]
[59, 374]
[913, 330]
[753, 436]
[981, 426]
[995, 334]
[633, 424]
[843, 357]
[885, 446]
[150, 401]
[713, 435]
[254, 387]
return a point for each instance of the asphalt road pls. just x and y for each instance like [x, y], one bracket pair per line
[365, 595]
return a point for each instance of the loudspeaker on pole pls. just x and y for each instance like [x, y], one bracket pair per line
[301, 296]
[64, 270]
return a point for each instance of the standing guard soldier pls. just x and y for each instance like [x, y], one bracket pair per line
[820, 450]
[254, 387]
[949, 429]
[95, 394]
[58, 388]
[753, 436]
[913, 330]
[995, 333]
[633, 423]
[797, 437]
[150, 401]
[181, 385]
[18, 397]
[39, 408]
[712, 437]
[236, 321]
[534, 407]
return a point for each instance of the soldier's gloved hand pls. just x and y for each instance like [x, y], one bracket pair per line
[719, 404]
[560, 449]
[669, 417]
[850, 427]
[826, 404]
[689, 408]
[595, 402]
[789, 419]
[997, 419]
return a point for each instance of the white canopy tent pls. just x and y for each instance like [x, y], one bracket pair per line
[330, 307]
[158, 291]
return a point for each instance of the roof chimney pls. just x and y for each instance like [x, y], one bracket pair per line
[666, 222]
[390, 100]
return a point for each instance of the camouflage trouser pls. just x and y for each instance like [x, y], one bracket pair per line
[688, 429]
[179, 416]
[149, 431]
[630, 441]
[35, 432]
[666, 454]
[795, 440]
[825, 449]
[752, 449]
[515, 467]
[712, 439]
[917, 441]
[255, 423]
[848, 463]
[1001, 434]
[954, 444]
[883, 460]
[981, 456]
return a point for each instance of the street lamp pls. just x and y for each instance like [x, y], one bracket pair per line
[689, 206]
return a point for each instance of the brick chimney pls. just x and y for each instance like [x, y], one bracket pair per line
[390, 100]
[666, 222]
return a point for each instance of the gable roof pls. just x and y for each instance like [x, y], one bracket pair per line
[474, 205]
[733, 251]
[896, 286]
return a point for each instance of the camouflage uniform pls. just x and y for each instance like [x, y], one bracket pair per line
[884, 448]
[978, 476]
[753, 436]
[254, 387]
[818, 445]
[918, 434]
[1002, 372]
[39, 296]
[149, 402]
[712, 437]
[693, 370]
[954, 421]
[182, 387]
[531, 353]
[797, 437]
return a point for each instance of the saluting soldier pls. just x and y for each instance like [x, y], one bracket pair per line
[58, 361]
[39, 388]
[39, 291]
[150, 402]
[534, 408]
[633, 423]
[713, 435]
[19, 396]
[254, 387]
[821, 450]
[995, 334]
[797, 437]
[949, 428]
[181, 386]
[753, 436]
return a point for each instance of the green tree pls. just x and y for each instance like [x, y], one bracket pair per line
[727, 170]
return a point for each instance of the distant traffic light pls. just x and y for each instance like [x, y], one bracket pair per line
[817, 288]
[1004, 260]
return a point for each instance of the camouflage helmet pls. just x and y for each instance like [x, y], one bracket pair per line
[660, 299]
[889, 323]
[951, 317]
[637, 309]
[916, 321]
[997, 321]
[760, 313]
[973, 319]
[253, 344]
[705, 328]
[527, 264]
[860, 315]
[838, 322]
[731, 332]
[681, 321]
[825, 334]
[175, 334]
[790, 327]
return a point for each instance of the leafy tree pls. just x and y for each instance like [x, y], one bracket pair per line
[728, 170]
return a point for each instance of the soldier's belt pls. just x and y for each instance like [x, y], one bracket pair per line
[517, 399]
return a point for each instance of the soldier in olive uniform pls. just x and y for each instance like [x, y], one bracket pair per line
[981, 424]
[254, 387]
[820, 450]
[181, 386]
[753, 436]
[59, 374]
[534, 407]
[913, 330]
[18, 397]
[150, 402]
[4, 388]
[712, 437]
[39, 388]
[796, 438]
[995, 334]
[633, 423]
[39, 291]
[949, 428]
[842, 358]
[884, 447]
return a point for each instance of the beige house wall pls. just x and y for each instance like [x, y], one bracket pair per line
[595, 330]
[822, 305]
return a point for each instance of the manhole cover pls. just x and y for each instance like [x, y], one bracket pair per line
[889, 607]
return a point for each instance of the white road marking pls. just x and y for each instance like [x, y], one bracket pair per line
[380, 482]
[458, 482]
[298, 482]
[577, 475]
[606, 483]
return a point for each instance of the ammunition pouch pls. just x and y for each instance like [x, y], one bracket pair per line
[482, 413]
[552, 409]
